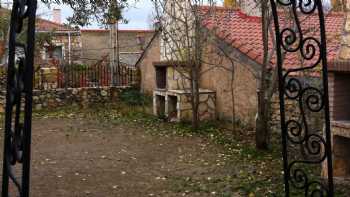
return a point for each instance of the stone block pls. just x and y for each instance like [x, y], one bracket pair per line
[344, 53]
[211, 103]
[203, 107]
[346, 39]
[347, 23]
[104, 93]
[203, 97]
[38, 107]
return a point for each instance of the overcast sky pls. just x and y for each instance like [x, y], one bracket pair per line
[138, 14]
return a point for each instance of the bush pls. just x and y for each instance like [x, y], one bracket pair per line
[133, 96]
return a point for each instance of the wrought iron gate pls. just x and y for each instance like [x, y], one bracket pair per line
[298, 132]
[294, 37]
[18, 123]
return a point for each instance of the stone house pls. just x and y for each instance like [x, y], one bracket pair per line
[238, 32]
[145, 64]
[97, 43]
[64, 44]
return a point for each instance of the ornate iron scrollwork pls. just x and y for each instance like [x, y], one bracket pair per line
[298, 132]
[18, 117]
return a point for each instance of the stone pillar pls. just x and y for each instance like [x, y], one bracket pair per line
[57, 16]
[344, 54]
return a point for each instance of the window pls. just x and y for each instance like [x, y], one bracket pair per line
[161, 77]
[55, 52]
[140, 39]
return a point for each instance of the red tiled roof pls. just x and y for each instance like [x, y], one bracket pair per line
[244, 33]
[43, 24]
[120, 30]
[47, 25]
[95, 30]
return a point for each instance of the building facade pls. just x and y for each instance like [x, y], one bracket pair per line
[235, 44]
[98, 43]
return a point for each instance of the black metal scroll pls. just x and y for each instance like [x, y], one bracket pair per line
[293, 37]
[18, 117]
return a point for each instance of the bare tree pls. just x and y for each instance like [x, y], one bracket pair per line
[264, 101]
[183, 42]
[268, 77]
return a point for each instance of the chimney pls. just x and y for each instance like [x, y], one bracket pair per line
[337, 5]
[250, 7]
[230, 3]
[56, 15]
[344, 54]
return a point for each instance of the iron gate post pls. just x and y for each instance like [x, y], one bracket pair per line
[17, 138]
[295, 40]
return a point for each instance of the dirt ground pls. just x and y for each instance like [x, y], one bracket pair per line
[89, 158]
[102, 153]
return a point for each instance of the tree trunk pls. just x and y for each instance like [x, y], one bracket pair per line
[262, 135]
[233, 102]
[262, 127]
[195, 97]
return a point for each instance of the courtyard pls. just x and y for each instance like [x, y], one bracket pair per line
[116, 150]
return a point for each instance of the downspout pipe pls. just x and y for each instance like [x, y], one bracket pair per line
[69, 48]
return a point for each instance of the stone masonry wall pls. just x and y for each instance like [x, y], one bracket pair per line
[71, 50]
[50, 99]
[147, 70]
[96, 43]
[314, 120]
[206, 108]
[275, 123]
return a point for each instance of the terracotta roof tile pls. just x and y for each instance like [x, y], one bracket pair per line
[121, 30]
[47, 25]
[43, 24]
[244, 33]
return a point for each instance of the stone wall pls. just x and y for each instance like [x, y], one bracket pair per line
[314, 120]
[147, 70]
[71, 54]
[178, 78]
[176, 106]
[71, 50]
[206, 107]
[244, 85]
[275, 123]
[96, 44]
[50, 99]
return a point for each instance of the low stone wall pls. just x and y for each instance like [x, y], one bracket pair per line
[175, 105]
[50, 99]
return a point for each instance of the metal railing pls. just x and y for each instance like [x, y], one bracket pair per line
[79, 76]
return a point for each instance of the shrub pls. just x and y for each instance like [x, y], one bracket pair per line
[133, 96]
